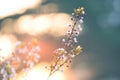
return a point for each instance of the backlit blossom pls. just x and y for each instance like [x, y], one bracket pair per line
[70, 49]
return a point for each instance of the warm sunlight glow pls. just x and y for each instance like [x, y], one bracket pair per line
[46, 23]
[11, 7]
[6, 46]
[40, 73]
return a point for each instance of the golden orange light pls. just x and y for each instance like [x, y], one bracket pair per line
[40, 73]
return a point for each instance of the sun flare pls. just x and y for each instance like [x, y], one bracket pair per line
[40, 73]
[6, 46]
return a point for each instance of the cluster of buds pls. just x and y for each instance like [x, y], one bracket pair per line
[28, 52]
[7, 71]
[64, 55]
[25, 56]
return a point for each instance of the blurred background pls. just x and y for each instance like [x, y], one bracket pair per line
[46, 20]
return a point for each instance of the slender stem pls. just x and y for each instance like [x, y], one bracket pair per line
[54, 70]
[65, 46]
[60, 66]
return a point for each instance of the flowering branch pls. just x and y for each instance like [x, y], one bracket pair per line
[63, 56]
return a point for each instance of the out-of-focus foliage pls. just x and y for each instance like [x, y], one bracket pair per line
[25, 56]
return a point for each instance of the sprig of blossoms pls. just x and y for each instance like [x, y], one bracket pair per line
[64, 55]
[28, 52]
[25, 56]
[7, 71]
